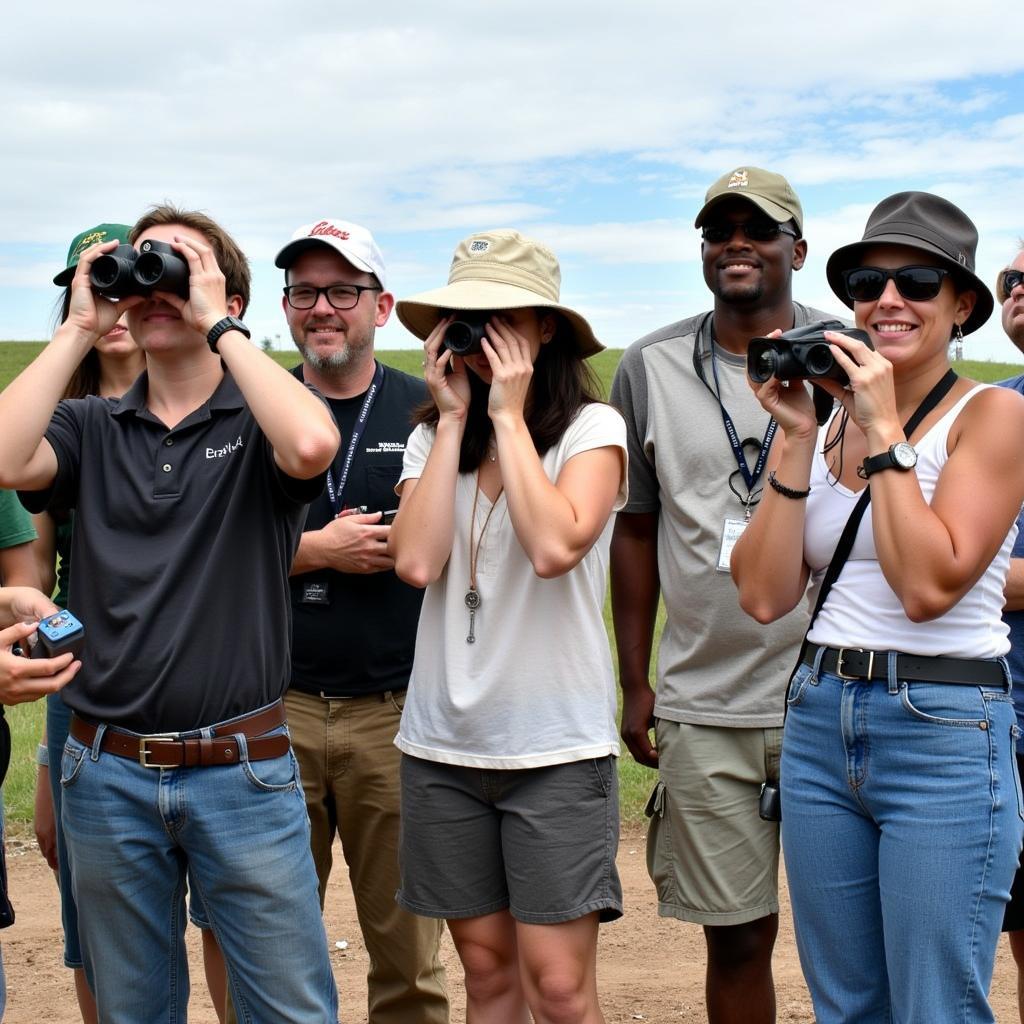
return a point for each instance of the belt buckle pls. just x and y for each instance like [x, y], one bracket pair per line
[144, 742]
[843, 651]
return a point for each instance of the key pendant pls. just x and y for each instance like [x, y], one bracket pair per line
[472, 603]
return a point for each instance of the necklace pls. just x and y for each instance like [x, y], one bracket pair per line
[472, 598]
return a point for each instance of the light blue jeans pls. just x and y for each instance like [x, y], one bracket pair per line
[242, 831]
[901, 829]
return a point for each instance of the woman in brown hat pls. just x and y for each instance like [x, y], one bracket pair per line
[509, 787]
[901, 805]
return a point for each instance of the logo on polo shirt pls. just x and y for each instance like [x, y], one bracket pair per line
[219, 453]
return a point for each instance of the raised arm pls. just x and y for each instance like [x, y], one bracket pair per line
[26, 459]
[556, 522]
[423, 531]
[298, 426]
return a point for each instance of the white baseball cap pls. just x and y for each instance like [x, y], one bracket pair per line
[352, 241]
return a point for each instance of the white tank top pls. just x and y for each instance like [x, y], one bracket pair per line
[861, 609]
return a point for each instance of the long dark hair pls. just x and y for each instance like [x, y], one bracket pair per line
[85, 380]
[562, 384]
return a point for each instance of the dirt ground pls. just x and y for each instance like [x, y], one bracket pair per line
[651, 969]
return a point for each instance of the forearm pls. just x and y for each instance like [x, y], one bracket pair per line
[423, 532]
[1014, 589]
[27, 404]
[556, 523]
[635, 588]
[767, 563]
[310, 555]
[298, 426]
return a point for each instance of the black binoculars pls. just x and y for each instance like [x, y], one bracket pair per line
[154, 267]
[463, 336]
[800, 354]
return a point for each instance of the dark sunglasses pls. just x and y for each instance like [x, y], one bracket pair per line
[753, 230]
[1007, 281]
[917, 284]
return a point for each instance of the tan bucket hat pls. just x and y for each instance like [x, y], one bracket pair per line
[499, 269]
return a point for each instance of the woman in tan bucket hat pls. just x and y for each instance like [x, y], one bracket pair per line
[509, 786]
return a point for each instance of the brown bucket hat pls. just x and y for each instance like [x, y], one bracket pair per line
[499, 269]
[922, 221]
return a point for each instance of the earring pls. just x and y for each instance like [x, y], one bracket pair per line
[958, 342]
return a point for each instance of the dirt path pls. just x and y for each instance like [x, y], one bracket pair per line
[650, 969]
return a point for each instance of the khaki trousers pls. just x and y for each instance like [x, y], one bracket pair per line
[349, 767]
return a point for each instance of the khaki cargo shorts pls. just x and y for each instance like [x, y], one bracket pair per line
[711, 857]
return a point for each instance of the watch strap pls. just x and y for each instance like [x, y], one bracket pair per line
[228, 323]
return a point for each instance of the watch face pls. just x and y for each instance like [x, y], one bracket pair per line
[904, 455]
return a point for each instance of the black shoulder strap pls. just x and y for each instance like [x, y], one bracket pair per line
[845, 545]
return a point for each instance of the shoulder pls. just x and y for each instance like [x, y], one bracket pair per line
[991, 416]
[400, 383]
[667, 335]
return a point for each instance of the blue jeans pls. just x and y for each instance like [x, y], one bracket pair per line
[242, 832]
[901, 828]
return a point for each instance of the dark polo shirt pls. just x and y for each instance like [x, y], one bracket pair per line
[182, 544]
[355, 633]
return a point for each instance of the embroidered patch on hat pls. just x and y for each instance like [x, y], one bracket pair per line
[87, 240]
[738, 180]
[478, 246]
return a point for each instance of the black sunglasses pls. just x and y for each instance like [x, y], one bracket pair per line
[917, 284]
[1007, 281]
[754, 230]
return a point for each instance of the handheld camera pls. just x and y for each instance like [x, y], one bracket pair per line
[463, 336]
[57, 634]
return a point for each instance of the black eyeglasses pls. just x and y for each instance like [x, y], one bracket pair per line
[917, 284]
[754, 230]
[1007, 281]
[340, 296]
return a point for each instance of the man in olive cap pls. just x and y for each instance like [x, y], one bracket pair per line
[698, 441]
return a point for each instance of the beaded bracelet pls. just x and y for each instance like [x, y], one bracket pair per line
[786, 492]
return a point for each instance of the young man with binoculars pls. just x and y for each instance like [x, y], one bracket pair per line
[178, 756]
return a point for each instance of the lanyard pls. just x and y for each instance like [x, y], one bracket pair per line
[335, 491]
[750, 477]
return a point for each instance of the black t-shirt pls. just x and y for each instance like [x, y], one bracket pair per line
[362, 639]
[182, 545]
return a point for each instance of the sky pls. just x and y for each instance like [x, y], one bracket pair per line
[594, 127]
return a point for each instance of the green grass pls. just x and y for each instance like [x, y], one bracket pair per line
[27, 719]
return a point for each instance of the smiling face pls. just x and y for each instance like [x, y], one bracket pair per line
[911, 333]
[743, 273]
[1013, 308]
[334, 340]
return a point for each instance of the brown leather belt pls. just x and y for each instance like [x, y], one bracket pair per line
[170, 751]
[856, 663]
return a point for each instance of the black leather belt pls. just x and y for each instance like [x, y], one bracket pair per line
[856, 663]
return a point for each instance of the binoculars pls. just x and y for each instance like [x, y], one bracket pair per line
[800, 354]
[463, 336]
[154, 267]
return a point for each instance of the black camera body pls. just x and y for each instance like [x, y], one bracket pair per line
[769, 805]
[800, 354]
[463, 336]
[125, 272]
[59, 633]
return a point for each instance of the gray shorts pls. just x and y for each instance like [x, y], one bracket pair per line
[539, 842]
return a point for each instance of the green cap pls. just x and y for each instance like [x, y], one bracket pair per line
[769, 192]
[82, 241]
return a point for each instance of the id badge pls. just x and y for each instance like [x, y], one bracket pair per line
[316, 593]
[732, 530]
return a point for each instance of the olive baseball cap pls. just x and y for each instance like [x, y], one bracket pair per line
[769, 192]
[82, 241]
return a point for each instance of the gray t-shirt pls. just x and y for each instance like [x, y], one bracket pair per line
[716, 665]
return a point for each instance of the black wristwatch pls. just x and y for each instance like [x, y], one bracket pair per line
[229, 323]
[901, 456]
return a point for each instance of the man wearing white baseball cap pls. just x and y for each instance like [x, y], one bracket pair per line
[354, 621]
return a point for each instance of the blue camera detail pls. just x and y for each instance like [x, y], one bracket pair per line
[57, 634]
